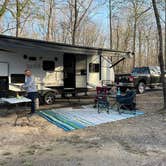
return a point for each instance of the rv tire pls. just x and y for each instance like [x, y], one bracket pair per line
[49, 98]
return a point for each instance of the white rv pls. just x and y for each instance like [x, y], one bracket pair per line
[58, 68]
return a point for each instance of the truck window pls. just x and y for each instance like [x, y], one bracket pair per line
[145, 70]
[140, 70]
[155, 70]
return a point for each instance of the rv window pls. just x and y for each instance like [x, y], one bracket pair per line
[94, 67]
[83, 72]
[17, 78]
[48, 65]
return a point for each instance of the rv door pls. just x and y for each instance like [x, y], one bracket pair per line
[4, 69]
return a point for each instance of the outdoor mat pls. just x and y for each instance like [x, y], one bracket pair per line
[70, 118]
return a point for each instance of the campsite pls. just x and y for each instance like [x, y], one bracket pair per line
[135, 141]
[82, 82]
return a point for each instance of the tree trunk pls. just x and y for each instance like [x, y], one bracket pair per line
[148, 48]
[160, 56]
[157, 47]
[75, 23]
[18, 16]
[140, 48]
[48, 36]
[110, 22]
[117, 47]
[165, 34]
[134, 39]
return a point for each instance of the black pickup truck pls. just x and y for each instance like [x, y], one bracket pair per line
[140, 78]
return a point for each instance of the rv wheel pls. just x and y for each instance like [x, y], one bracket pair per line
[49, 98]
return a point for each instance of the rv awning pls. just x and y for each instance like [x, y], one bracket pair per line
[21, 45]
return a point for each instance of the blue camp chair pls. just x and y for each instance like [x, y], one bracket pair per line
[126, 102]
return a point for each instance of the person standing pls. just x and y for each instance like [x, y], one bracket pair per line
[30, 87]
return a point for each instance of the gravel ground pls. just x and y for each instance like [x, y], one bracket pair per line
[139, 141]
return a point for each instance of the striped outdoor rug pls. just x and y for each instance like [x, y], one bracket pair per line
[70, 119]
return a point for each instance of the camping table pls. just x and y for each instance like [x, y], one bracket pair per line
[17, 101]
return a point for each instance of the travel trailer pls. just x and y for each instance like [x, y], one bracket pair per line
[58, 68]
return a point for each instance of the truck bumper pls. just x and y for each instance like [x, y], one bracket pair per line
[127, 85]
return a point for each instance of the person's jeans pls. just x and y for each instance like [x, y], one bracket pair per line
[32, 96]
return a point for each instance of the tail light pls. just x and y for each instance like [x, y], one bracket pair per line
[131, 78]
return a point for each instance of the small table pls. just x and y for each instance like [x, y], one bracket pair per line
[16, 101]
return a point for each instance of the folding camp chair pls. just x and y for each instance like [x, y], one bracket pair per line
[102, 99]
[127, 102]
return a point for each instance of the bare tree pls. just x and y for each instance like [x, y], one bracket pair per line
[78, 12]
[114, 6]
[3, 8]
[20, 10]
[91, 35]
[51, 9]
[138, 10]
[160, 55]
[165, 34]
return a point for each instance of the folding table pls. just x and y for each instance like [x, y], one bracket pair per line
[20, 111]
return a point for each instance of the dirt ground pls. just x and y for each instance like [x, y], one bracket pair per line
[139, 141]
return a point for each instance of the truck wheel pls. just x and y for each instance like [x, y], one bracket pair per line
[141, 87]
[49, 98]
